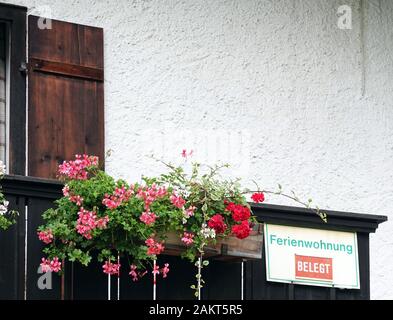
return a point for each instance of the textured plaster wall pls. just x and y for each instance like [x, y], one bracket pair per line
[309, 105]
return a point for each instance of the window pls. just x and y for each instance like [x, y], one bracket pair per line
[13, 88]
[3, 91]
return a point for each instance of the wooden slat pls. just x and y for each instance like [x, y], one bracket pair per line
[65, 69]
[36, 207]
[12, 248]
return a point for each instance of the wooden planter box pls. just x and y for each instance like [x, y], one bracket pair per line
[228, 249]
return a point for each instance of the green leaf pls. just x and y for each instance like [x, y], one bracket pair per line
[215, 197]
[205, 263]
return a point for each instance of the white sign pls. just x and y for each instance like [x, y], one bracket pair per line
[311, 256]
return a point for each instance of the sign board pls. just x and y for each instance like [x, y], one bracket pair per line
[311, 256]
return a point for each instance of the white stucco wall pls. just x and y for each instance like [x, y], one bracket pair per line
[312, 102]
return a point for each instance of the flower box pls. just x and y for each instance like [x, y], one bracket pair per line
[228, 249]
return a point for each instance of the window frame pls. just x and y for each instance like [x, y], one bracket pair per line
[5, 25]
[15, 17]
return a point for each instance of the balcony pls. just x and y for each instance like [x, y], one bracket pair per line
[21, 252]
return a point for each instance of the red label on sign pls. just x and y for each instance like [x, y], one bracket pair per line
[314, 267]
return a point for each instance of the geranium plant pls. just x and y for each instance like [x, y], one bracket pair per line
[99, 213]
[7, 217]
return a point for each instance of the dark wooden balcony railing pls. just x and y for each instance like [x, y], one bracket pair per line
[21, 252]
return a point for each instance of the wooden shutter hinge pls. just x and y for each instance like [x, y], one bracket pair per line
[24, 68]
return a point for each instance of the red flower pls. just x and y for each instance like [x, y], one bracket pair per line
[229, 205]
[239, 212]
[258, 197]
[217, 223]
[242, 230]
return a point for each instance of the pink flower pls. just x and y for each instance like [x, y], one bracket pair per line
[154, 248]
[66, 191]
[45, 236]
[165, 270]
[133, 273]
[45, 265]
[77, 169]
[188, 238]
[73, 198]
[148, 218]
[55, 265]
[136, 275]
[111, 268]
[88, 221]
[50, 265]
[156, 269]
[151, 194]
[78, 200]
[150, 242]
[110, 204]
[119, 196]
[190, 211]
[177, 201]
[102, 222]
[184, 153]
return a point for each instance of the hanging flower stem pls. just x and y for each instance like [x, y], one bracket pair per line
[199, 276]
[292, 197]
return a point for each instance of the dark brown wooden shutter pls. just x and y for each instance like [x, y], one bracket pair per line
[66, 95]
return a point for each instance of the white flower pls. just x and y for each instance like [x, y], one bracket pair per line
[2, 168]
[3, 210]
[4, 207]
[207, 232]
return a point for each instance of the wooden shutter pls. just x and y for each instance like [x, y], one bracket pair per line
[66, 95]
